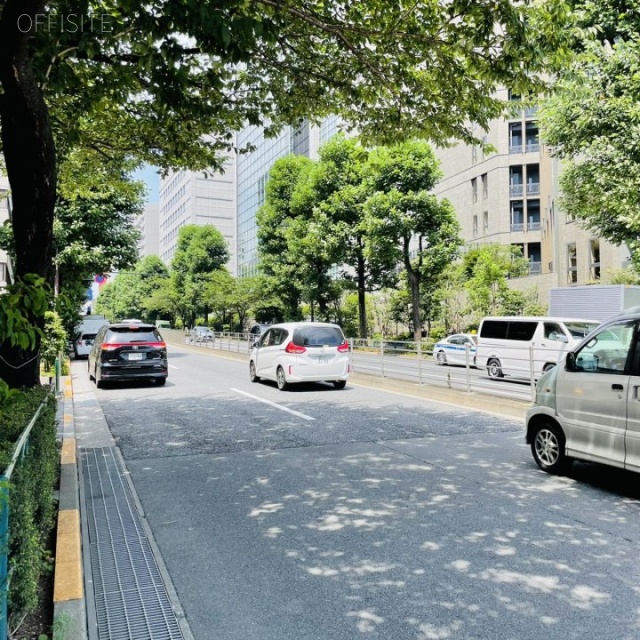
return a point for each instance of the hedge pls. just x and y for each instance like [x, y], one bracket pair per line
[32, 507]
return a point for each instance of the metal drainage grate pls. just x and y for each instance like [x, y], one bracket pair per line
[130, 597]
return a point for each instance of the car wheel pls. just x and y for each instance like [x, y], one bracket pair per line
[89, 372]
[493, 368]
[548, 367]
[281, 381]
[161, 381]
[441, 357]
[339, 384]
[252, 372]
[547, 447]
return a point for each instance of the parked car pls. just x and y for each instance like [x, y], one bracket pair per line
[128, 351]
[256, 331]
[163, 324]
[301, 352]
[453, 349]
[202, 334]
[587, 408]
[82, 345]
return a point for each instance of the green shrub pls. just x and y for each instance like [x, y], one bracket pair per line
[54, 340]
[32, 508]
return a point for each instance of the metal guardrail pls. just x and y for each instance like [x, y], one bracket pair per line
[21, 449]
[404, 360]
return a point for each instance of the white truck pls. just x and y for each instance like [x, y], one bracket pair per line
[596, 301]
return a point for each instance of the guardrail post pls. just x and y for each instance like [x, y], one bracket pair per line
[56, 365]
[532, 372]
[382, 355]
[467, 357]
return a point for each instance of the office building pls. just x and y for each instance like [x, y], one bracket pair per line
[510, 196]
[147, 224]
[194, 197]
[5, 203]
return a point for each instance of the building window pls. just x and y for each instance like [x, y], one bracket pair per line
[572, 263]
[474, 189]
[515, 138]
[485, 222]
[532, 139]
[515, 182]
[517, 215]
[533, 215]
[534, 253]
[474, 154]
[594, 250]
[533, 180]
[475, 226]
[485, 186]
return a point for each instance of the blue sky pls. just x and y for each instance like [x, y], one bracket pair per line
[149, 175]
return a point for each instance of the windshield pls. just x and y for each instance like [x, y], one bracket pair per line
[132, 334]
[580, 329]
[318, 337]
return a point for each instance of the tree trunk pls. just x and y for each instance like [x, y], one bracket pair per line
[414, 287]
[362, 298]
[29, 154]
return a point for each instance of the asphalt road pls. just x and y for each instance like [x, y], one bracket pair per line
[333, 515]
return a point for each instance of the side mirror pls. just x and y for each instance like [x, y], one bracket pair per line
[570, 362]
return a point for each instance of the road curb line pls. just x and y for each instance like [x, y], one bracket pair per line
[69, 606]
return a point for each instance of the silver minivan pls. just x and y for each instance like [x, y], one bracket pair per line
[588, 407]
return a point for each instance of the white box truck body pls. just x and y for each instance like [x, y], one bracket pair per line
[597, 301]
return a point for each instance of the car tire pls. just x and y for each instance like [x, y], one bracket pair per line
[281, 380]
[441, 358]
[89, 372]
[494, 369]
[547, 448]
[161, 381]
[252, 372]
[339, 384]
[548, 367]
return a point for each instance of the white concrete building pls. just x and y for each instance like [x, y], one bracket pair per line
[190, 197]
[5, 263]
[510, 196]
[148, 224]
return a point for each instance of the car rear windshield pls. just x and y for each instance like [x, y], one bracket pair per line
[317, 337]
[132, 334]
[88, 336]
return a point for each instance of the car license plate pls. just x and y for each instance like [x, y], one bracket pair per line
[323, 359]
[135, 356]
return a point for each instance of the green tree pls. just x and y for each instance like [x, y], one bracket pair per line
[284, 275]
[592, 122]
[200, 252]
[169, 82]
[405, 223]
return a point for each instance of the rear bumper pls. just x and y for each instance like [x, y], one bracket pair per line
[120, 372]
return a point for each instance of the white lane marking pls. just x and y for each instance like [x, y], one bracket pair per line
[274, 404]
[173, 366]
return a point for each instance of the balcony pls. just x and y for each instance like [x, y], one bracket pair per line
[530, 112]
[533, 147]
[533, 226]
[517, 226]
[535, 268]
[516, 148]
[533, 188]
[516, 190]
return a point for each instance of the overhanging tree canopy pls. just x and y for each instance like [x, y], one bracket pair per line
[169, 82]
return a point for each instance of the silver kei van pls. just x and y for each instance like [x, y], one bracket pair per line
[588, 407]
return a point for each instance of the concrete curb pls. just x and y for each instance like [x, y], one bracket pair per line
[69, 606]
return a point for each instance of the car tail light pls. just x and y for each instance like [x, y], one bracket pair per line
[294, 348]
[109, 346]
[343, 347]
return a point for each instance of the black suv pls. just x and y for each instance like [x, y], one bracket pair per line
[128, 351]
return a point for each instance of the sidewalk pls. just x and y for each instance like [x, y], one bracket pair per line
[110, 581]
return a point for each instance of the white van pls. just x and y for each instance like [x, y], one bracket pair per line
[514, 346]
[587, 408]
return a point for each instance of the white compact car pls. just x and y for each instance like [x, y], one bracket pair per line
[301, 352]
[453, 349]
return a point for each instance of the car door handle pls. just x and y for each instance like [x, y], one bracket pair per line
[617, 387]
